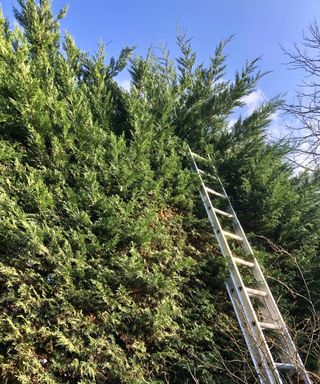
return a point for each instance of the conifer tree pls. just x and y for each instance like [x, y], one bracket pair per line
[108, 269]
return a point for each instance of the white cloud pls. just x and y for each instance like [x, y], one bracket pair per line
[231, 122]
[125, 84]
[277, 127]
[253, 101]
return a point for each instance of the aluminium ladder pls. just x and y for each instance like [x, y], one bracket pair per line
[271, 347]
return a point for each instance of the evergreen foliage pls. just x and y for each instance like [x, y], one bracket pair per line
[108, 269]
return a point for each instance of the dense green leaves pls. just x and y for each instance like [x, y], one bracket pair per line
[108, 269]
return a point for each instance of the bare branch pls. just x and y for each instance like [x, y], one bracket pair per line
[306, 57]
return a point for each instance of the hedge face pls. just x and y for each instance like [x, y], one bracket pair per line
[108, 269]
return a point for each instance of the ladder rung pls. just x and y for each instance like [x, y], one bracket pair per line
[213, 192]
[243, 262]
[285, 367]
[232, 236]
[193, 154]
[206, 174]
[255, 292]
[268, 326]
[223, 213]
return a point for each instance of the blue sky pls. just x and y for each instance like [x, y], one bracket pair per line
[260, 27]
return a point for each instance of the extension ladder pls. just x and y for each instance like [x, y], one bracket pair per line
[269, 342]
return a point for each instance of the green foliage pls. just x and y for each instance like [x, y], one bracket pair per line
[108, 269]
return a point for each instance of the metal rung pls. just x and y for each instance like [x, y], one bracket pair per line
[198, 156]
[213, 192]
[223, 213]
[206, 174]
[243, 262]
[268, 326]
[285, 367]
[232, 236]
[255, 292]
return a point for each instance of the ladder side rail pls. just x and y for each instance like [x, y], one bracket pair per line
[251, 318]
[270, 301]
[272, 306]
[256, 269]
[251, 342]
[239, 231]
[235, 221]
[213, 219]
[196, 167]
[286, 336]
[275, 314]
[211, 213]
